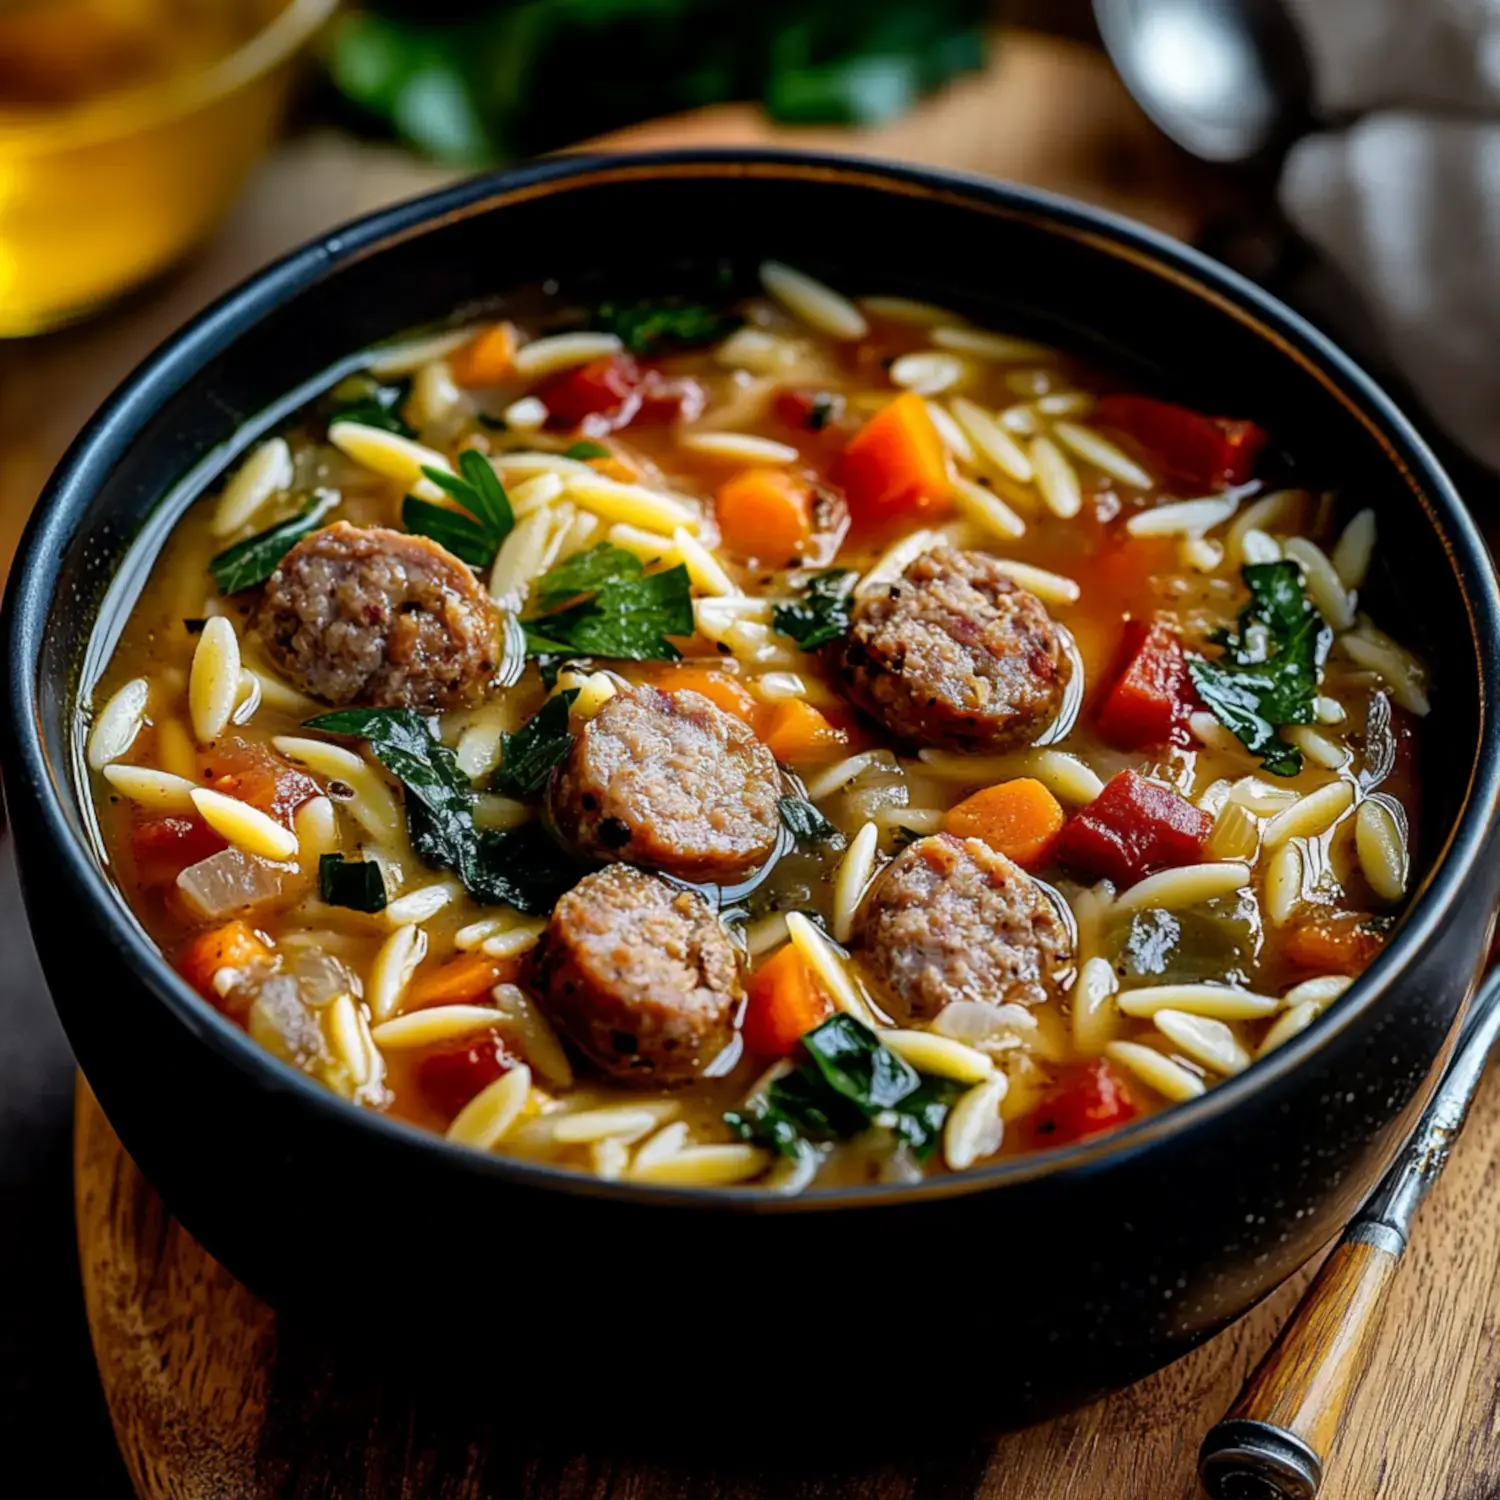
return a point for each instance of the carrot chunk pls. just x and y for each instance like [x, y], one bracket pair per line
[797, 734]
[1343, 943]
[718, 687]
[487, 358]
[1133, 828]
[470, 976]
[895, 467]
[235, 945]
[1020, 818]
[765, 513]
[783, 1004]
[1153, 695]
[253, 773]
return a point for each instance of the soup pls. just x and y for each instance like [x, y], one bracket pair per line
[783, 742]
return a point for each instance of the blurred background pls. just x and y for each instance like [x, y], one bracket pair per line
[155, 152]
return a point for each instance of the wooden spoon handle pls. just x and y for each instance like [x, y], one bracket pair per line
[1273, 1443]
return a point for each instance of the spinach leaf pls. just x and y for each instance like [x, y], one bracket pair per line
[520, 867]
[848, 1083]
[627, 617]
[371, 404]
[821, 615]
[528, 756]
[252, 561]
[806, 824]
[475, 533]
[650, 327]
[1254, 687]
[585, 450]
[356, 884]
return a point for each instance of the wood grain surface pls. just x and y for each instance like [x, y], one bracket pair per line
[213, 1400]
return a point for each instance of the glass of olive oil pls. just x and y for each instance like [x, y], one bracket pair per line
[126, 129]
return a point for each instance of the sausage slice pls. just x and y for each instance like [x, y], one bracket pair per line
[956, 656]
[359, 614]
[640, 976]
[673, 782]
[953, 919]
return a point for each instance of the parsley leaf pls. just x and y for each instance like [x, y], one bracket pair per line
[1253, 691]
[627, 617]
[252, 561]
[528, 756]
[372, 404]
[849, 1081]
[648, 327]
[476, 532]
[520, 867]
[821, 615]
[807, 825]
[356, 884]
[584, 450]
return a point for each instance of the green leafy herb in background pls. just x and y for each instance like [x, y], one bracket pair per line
[627, 615]
[583, 451]
[478, 82]
[821, 615]
[806, 824]
[363, 399]
[1268, 677]
[657, 327]
[520, 867]
[849, 1082]
[252, 561]
[475, 533]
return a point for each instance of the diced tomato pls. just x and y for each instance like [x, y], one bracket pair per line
[808, 410]
[1133, 828]
[1092, 1099]
[1201, 451]
[1153, 695]
[609, 394]
[1345, 942]
[450, 1076]
[255, 774]
[162, 848]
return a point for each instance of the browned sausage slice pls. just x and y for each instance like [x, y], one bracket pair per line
[359, 614]
[953, 919]
[640, 976]
[955, 656]
[672, 782]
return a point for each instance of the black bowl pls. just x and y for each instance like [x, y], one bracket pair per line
[1093, 1264]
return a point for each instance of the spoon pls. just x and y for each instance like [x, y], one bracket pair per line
[1275, 1440]
[1228, 80]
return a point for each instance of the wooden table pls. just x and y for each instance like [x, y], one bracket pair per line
[211, 1400]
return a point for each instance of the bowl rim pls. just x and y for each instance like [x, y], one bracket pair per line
[34, 773]
[146, 106]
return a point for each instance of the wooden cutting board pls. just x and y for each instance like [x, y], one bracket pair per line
[213, 1400]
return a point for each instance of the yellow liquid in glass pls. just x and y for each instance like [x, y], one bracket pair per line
[126, 129]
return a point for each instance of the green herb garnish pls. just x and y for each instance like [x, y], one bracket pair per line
[649, 327]
[849, 1083]
[806, 824]
[372, 404]
[252, 561]
[474, 533]
[356, 884]
[821, 614]
[519, 867]
[1268, 677]
[627, 615]
[584, 450]
[529, 756]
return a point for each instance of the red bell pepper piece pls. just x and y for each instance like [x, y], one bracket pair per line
[1094, 1098]
[806, 409]
[450, 1076]
[609, 394]
[1205, 452]
[1153, 695]
[1133, 828]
